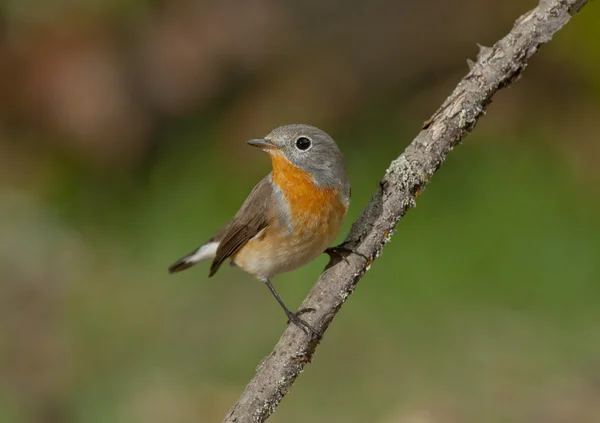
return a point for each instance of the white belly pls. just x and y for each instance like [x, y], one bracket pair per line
[269, 254]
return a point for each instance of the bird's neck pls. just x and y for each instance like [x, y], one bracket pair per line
[303, 195]
[288, 176]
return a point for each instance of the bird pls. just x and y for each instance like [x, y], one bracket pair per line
[290, 217]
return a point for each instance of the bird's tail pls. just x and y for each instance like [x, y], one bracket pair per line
[207, 251]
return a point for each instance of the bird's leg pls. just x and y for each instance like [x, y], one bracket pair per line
[294, 317]
[341, 251]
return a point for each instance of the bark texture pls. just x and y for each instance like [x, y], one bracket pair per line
[496, 67]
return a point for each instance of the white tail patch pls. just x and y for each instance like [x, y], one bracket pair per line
[207, 251]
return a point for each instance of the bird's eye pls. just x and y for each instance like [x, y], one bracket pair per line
[303, 143]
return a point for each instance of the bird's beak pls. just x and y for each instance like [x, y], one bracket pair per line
[262, 143]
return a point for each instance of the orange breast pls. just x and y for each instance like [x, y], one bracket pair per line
[317, 215]
[313, 208]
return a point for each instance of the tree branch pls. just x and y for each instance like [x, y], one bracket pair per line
[496, 68]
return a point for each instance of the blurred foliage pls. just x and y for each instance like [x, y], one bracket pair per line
[122, 132]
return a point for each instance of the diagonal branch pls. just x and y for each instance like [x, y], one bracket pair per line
[496, 68]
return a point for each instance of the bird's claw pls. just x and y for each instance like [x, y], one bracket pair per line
[306, 328]
[341, 252]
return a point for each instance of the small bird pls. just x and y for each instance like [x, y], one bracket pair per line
[291, 216]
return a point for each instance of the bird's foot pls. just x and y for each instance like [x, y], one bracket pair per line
[341, 252]
[295, 319]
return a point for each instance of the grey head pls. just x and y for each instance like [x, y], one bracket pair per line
[311, 150]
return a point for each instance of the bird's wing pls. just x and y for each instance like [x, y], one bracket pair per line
[249, 221]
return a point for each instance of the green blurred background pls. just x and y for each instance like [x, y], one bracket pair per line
[122, 147]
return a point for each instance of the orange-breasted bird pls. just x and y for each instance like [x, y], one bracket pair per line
[291, 216]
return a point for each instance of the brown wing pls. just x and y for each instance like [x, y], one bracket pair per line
[249, 220]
